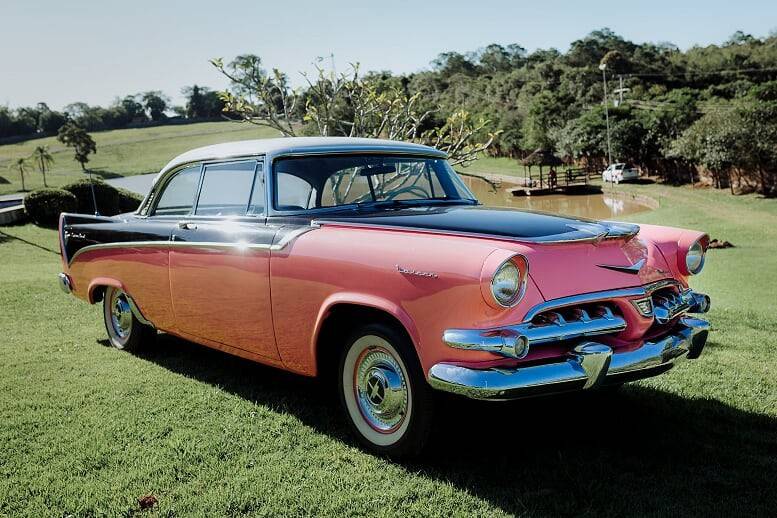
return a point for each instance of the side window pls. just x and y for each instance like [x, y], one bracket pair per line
[226, 189]
[294, 193]
[178, 195]
[258, 193]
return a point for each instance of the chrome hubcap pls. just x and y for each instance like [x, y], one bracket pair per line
[121, 315]
[381, 390]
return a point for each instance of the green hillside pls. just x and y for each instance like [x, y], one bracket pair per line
[122, 152]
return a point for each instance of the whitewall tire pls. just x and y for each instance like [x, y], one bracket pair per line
[384, 396]
[125, 331]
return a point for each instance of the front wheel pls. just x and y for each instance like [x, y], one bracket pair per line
[125, 331]
[383, 392]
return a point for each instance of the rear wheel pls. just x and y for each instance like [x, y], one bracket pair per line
[383, 392]
[125, 331]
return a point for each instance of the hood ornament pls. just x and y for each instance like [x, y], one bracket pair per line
[632, 269]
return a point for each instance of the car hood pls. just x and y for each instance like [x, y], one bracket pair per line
[510, 224]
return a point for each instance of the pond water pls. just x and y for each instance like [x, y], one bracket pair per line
[587, 205]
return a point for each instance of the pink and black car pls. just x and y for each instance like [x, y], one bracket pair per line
[371, 261]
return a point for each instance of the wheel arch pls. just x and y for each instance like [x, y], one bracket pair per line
[341, 311]
[96, 293]
[97, 287]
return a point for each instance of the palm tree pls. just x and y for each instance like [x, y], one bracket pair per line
[43, 160]
[20, 165]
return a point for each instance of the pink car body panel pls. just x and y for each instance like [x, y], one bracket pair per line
[296, 287]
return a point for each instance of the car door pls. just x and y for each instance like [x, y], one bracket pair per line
[220, 261]
[148, 274]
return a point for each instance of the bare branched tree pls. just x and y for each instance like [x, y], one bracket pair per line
[345, 104]
[258, 98]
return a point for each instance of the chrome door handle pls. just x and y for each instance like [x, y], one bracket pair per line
[186, 225]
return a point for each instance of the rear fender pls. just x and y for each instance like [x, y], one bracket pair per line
[102, 282]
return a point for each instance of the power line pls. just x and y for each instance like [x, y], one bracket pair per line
[701, 72]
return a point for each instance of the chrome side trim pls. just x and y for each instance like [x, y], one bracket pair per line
[632, 269]
[586, 366]
[283, 243]
[291, 236]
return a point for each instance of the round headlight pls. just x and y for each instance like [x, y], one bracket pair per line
[507, 284]
[694, 259]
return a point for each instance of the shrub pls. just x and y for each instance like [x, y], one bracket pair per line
[128, 201]
[107, 197]
[43, 206]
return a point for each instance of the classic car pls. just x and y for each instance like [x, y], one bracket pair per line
[620, 172]
[371, 263]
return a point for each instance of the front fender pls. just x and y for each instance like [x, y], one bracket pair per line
[369, 301]
[673, 244]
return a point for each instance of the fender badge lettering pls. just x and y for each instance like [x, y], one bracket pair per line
[408, 271]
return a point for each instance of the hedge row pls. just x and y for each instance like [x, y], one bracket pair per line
[110, 200]
[43, 206]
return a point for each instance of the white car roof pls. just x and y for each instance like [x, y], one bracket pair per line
[297, 145]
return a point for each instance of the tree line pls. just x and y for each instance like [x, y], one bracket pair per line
[707, 112]
[137, 109]
[703, 113]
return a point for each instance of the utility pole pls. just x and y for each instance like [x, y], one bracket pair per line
[603, 68]
[620, 91]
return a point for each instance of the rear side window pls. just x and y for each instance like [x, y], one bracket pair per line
[178, 195]
[256, 206]
[226, 189]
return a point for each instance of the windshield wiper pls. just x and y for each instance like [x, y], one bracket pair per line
[378, 204]
[438, 201]
[392, 204]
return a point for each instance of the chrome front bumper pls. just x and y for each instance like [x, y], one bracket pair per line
[588, 365]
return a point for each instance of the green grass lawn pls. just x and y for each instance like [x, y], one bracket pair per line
[88, 430]
[121, 152]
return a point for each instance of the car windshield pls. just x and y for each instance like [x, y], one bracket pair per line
[319, 182]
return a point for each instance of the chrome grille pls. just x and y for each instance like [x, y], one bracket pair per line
[548, 326]
[669, 303]
[573, 322]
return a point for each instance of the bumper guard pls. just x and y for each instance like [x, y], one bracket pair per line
[588, 365]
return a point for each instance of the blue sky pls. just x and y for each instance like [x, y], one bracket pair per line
[63, 51]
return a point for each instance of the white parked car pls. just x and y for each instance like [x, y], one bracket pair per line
[618, 173]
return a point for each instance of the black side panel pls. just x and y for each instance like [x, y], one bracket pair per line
[79, 231]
